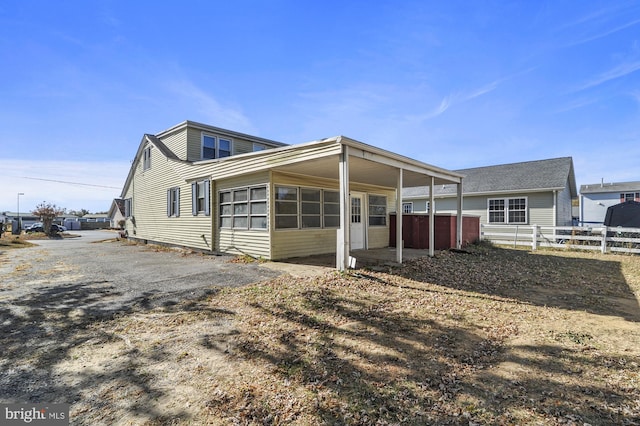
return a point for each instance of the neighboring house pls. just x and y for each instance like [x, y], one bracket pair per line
[527, 193]
[595, 199]
[116, 213]
[28, 219]
[95, 217]
[213, 189]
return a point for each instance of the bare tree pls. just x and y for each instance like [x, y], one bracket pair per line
[47, 213]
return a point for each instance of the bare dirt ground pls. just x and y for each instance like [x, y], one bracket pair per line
[493, 336]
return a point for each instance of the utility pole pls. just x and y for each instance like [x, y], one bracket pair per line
[19, 221]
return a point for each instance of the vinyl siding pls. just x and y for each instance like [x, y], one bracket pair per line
[177, 143]
[194, 143]
[539, 206]
[287, 243]
[149, 205]
[541, 209]
[256, 243]
[564, 208]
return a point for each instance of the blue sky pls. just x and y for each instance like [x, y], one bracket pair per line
[456, 84]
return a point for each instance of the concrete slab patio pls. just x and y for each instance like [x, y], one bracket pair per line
[320, 264]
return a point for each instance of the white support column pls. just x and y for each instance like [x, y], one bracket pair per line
[399, 240]
[344, 232]
[432, 216]
[459, 217]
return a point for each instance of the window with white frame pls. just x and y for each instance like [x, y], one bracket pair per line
[173, 202]
[310, 208]
[407, 207]
[244, 208]
[331, 209]
[377, 210]
[304, 208]
[286, 204]
[507, 210]
[200, 198]
[127, 208]
[215, 147]
[258, 147]
[146, 161]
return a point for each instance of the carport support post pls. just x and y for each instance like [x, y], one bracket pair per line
[432, 216]
[459, 216]
[399, 241]
[343, 240]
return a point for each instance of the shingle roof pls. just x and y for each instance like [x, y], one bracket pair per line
[610, 187]
[540, 175]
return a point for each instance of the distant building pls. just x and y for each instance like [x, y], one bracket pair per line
[531, 192]
[595, 199]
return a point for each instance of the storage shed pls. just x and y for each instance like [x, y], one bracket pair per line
[415, 230]
[625, 214]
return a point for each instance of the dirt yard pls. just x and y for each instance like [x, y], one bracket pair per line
[493, 336]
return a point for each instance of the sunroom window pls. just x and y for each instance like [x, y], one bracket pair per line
[244, 208]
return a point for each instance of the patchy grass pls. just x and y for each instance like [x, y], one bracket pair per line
[492, 336]
[8, 241]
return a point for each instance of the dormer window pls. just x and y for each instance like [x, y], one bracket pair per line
[215, 147]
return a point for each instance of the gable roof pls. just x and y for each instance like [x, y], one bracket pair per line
[610, 187]
[116, 205]
[528, 176]
[169, 154]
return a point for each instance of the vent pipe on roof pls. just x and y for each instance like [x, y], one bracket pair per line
[601, 182]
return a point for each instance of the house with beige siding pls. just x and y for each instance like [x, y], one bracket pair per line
[526, 193]
[222, 191]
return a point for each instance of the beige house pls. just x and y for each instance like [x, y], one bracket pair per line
[218, 190]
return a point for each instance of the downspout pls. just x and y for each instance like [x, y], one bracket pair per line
[555, 207]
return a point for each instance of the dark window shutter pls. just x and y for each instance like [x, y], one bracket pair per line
[168, 202]
[194, 198]
[207, 207]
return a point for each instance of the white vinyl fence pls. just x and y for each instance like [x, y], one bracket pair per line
[604, 239]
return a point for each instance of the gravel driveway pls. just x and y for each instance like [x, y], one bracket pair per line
[113, 275]
[52, 293]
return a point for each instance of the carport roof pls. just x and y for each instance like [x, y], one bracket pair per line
[367, 164]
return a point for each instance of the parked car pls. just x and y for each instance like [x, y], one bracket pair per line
[58, 228]
[39, 227]
[36, 227]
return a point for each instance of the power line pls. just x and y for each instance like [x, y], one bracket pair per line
[71, 183]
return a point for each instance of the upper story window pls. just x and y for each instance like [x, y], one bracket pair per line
[127, 208]
[258, 147]
[215, 147]
[629, 196]
[407, 207]
[146, 158]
